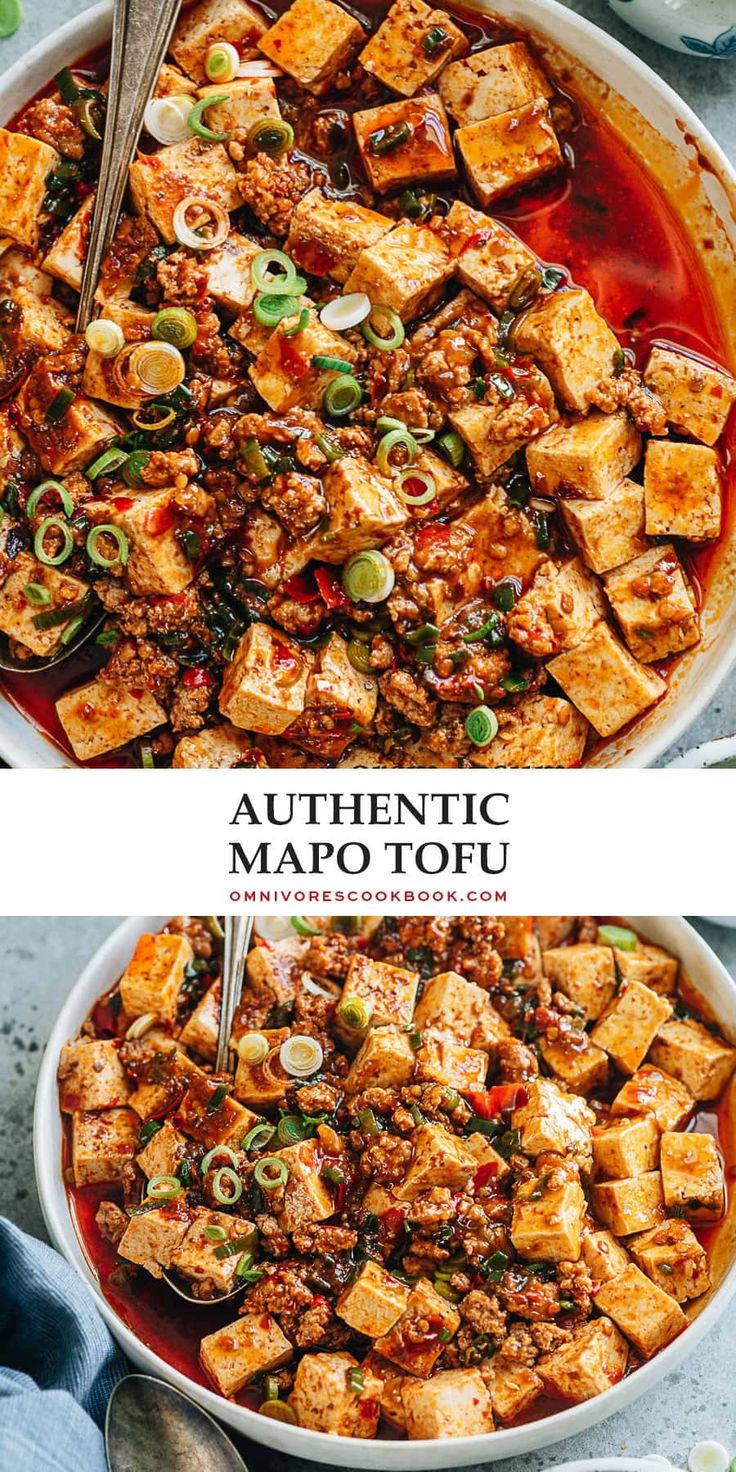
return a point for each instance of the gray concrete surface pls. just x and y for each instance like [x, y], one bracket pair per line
[39, 960]
[709, 87]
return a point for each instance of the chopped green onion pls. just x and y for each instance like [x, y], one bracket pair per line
[435, 40]
[273, 273]
[66, 549]
[59, 405]
[269, 308]
[260, 1135]
[342, 395]
[368, 577]
[491, 626]
[52, 617]
[245, 1273]
[356, 1378]
[502, 385]
[394, 337]
[542, 531]
[235, 1246]
[271, 1172]
[196, 123]
[254, 456]
[616, 936]
[416, 487]
[333, 1174]
[222, 62]
[301, 1055]
[443, 1287]
[368, 1123]
[115, 533]
[326, 364]
[108, 461]
[481, 725]
[226, 1176]
[298, 326]
[105, 338]
[272, 136]
[213, 1154]
[514, 684]
[215, 1234]
[218, 1098]
[39, 493]
[253, 1047]
[355, 1013]
[416, 1038]
[163, 1188]
[36, 593]
[551, 277]
[304, 927]
[135, 463]
[72, 629]
[452, 447]
[330, 447]
[451, 1100]
[360, 657]
[505, 595]
[291, 1129]
[176, 325]
[387, 140]
[191, 544]
[526, 288]
[278, 1410]
[390, 442]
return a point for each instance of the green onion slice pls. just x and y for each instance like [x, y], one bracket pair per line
[298, 326]
[213, 1154]
[272, 136]
[330, 447]
[260, 1135]
[11, 15]
[481, 725]
[108, 461]
[268, 309]
[163, 1188]
[396, 335]
[618, 937]
[36, 593]
[368, 1123]
[50, 618]
[368, 577]
[360, 657]
[196, 123]
[67, 546]
[291, 1129]
[215, 1234]
[225, 1176]
[135, 463]
[41, 491]
[117, 535]
[59, 404]
[355, 1013]
[278, 1410]
[452, 447]
[303, 927]
[222, 62]
[325, 364]
[274, 273]
[416, 487]
[270, 1172]
[390, 442]
[387, 140]
[342, 396]
[176, 325]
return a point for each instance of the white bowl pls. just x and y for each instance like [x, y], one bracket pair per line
[708, 754]
[697, 27]
[719, 994]
[701, 185]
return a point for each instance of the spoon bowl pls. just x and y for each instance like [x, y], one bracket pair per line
[149, 1425]
[36, 665]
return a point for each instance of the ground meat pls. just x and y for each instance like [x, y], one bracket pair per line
[296, 617]
[134, 238]
[449, 741]
[318, 1238]
[212, 353]
[414, 407]
[442, 548]
[54, 123]
[576, 1285]
[169, 467]
[483, 1311]
[329, 956]
[515, 1060]
[281, 1291]
[182, 277]
[196, 932]
[138, 662]
[111, 1222]
[316, 1098]
[432, 1208]
[298, 500]
[628, 392]
[189, 706]
[402, 690]
[319, 1326]
[527, 1296]
[274, 1241]
[272, 189]
[386, 1159]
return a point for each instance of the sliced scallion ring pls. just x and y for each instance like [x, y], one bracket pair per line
[342, 396]
[272, 136]
[67, 546]
[301, 322]
[60, 404]
[153, 418]
[156, 367]
[368, 577]
[104, 338]
[196, 123]
[253, 1047]
[291, 1129]
[176, 325]
[326, 364]
[303, 927]
[213, 1233]
[273, 928]
[416, 487]
[269, 308]
[200, 223]
[618, 937]
[163, 1188]
[41, 492]
[355, 1013]
[135, 463]
[453, 447]
[259, 1136]
[117, 535]
[36, 594]
[108, 461]
[221, 62]
[271, 1172]
[227, 1187]
[345, 311]
[481, 725]
[165, 118]
[396, 335]
[391, 441]
[213, 1155]
[301, 1055]
[274, 273]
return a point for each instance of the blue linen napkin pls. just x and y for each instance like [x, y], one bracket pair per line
[58, 1363]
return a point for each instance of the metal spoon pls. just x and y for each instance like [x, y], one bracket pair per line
[149, 1425]
[13, 665]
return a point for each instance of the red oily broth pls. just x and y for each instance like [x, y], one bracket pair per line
[607, 220]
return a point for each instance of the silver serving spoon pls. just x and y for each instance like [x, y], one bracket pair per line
[141, 32]
[150, 1425]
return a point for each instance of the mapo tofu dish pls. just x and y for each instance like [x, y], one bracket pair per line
[357, 473]
[464, 1171]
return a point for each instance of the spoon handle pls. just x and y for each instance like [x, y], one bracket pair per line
[140, 37]
[238, 930]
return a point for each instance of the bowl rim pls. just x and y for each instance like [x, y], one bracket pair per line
[24, 745]
[100, 970]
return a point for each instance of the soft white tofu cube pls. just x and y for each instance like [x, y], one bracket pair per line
[314, 40]
[674, 1259]
[585, 973]
[71, 442]
[157, 563]
[249, 101]
[586, 1365]
[441, 1159]
[547, 1220]
[385, 1060]
[452, 1403]
[406, 269]
[682, 491]
[605, 682]
[263, 1085]
[696, 396]
[363, 511]
[411, 46]
[91, 1076]
[18, 611]
[553, 1120]
[151, 1239]
[211, 1120]
[541, 731]
[44, 323]
[25, 164]
[336, 692]
[153, 977]
[562, 606]
[200, 1260]
[406, 1345]
[461, 1008]
[587, 459]
[199, 1033]
[575, 1061]
[571, 342]
[603, 1255]
[265, 684]
[630, 1205]
[373, 1303]
[160, 181]
[227, 269]
[306, 1197]
[442, 1060]
[284, 372]
[514, 1388]
[251, 1346]
[494, 80]
[701, 1061]
[692, 1175]
[650, 964]
[504, 152]
[626, 1147]
[326, 236]
[66, 257]
[490, 259]
[387, 992]
[164, 1152]
[608, 532]
[325, 1398]
[103, 1143]
[647, 1315]
[201, 25]
[499, 426]
[105, 714]
[217, 747]
[627, 1028]
[652, 1091]
[424, 150]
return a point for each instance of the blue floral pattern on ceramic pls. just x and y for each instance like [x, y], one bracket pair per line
[724, 45]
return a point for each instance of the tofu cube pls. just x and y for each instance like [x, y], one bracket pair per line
[608, 532]
[572, 343]
[374, 1302]
[652, 1091]
[407, 269]
[67, 255]
[251, 1346]
[45, 324]
[275, 969]
[262, 1085]
[326, 236]
[442, 1060]
[284, 373]
[249, 101]
[494, 430]
[629, 1024]
[105, 714]
[701, 1061]
[562, 606]
[586, 1365]
[440, 1159]
[227, 269]
[425, 153]
[208, 21]
[386, 1060]
[652, 965]
[164, 1152]
[417, 1352]
[452, 1403]
[682, 491]
[460, 1007]
[335, 686]
[541, 731]
[153, 977]
[673, 1258]
[490, 259]
[604, 1256]
[151, 1239]
[514, 1388]
[157, 564]
[17, 612]
[550, 1227]
[387, 992]
[208, 1122]
[307, 1198]
[199, 1033]
[411, 46]
[587, 459]
[172, 82]
[102, 1145]
[265, 684]
[654, 604]
[552, 1119]
[73, 441]
[605, 682]
[495, 80]
[314, 40]
[585, 973]
[323, 1398]
[196, 1256]
[364, 511]
[160, 181]
[626, 1147]
[91, 1076]
[25, 164]
[647, 1315]
[630, 1205]
[100, 381]
[696, 396]
[692, 1176]
[576, 1061]
[504, 152]
[217, 747]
